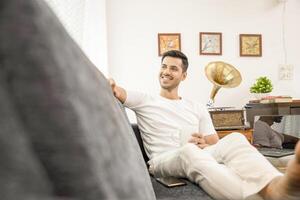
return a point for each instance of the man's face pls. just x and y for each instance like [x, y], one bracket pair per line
[171, 73]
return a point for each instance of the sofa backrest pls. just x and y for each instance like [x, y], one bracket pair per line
[137, 133]
[62, 132]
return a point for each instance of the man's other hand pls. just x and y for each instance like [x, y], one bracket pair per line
[198, 139]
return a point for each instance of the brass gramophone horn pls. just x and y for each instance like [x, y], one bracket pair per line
[222, 74]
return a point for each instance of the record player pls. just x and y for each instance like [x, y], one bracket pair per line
[227, 118]
[224, 75]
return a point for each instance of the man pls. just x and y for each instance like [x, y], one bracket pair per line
[229, 168]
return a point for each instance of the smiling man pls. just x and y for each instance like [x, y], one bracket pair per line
[172, 72]
[230, 168]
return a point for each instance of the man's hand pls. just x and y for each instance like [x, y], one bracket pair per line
[112, 84]
[198, 139]
[118, 92]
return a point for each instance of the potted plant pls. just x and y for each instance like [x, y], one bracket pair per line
[262, 87]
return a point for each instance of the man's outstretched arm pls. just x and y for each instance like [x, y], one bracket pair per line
[119, 92]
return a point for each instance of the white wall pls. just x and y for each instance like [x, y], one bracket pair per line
[95, 33]
[132, 43]
[71, 14]
[85, 21]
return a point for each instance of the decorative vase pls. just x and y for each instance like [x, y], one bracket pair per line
[259, 96]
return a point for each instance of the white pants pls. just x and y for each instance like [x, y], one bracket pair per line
[230, 169]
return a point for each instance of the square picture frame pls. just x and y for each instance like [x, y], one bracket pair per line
[168, 41]
[210, 43]
[251, 45]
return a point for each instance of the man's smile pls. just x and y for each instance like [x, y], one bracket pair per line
[164, 77]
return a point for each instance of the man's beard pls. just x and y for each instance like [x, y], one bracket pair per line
[169, 87]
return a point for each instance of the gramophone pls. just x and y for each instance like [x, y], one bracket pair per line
[224, 75]
[221, 74]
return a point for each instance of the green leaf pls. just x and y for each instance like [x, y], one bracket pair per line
[262, 85]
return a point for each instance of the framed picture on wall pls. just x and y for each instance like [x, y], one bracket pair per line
[210, 43]
[168, 41]
[250, 45]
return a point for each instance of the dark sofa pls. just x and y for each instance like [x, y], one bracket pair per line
[62, 133]
[190, 191]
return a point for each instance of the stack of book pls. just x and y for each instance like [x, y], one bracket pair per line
[276, 99]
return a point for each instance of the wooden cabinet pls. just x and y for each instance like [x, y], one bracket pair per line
[255, 109]
[248, 133]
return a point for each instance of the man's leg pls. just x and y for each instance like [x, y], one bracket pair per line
[240, 156]
[288, 186]
[200, 167]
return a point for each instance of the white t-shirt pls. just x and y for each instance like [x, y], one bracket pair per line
[167, 124]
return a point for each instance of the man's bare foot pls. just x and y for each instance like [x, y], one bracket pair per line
[288, 186]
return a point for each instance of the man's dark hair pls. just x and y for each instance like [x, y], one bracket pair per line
[177, 54]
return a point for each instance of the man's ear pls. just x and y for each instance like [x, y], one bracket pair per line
[184, 76]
